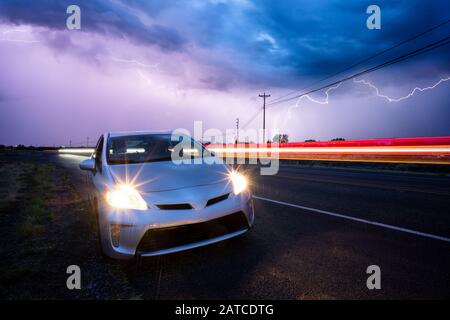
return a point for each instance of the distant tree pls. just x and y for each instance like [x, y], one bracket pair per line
[280, 138]
[338, 139]
[310, 140]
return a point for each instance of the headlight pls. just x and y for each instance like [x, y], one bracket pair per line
[125, 197]
[239, 182]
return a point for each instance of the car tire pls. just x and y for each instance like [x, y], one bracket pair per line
[94, 204]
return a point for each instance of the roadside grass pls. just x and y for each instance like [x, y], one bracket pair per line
[36, 211]
[35, 216]
[45, 226]
[12, 178]
[24, 218]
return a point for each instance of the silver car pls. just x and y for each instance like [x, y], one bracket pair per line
[148, 204]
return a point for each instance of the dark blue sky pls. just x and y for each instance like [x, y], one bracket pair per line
[163, 64]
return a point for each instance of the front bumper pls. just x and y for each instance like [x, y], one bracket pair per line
[127, 233]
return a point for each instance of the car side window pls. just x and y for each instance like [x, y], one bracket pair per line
[98, 155]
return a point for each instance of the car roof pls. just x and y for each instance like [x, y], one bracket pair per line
[134, 133]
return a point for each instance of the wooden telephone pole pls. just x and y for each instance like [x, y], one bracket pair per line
[237, 130]
[264, 96]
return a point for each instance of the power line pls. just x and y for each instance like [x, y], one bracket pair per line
[367, 59]
[413, 53]
[424, 49]
[251, 118]
[276, 100]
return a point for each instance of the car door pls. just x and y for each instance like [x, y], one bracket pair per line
[98, 177]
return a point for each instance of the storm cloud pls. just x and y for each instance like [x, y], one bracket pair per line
[163, 64]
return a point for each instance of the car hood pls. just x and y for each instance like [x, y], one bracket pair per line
[165, 175]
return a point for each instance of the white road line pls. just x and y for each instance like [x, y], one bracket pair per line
[379, 224]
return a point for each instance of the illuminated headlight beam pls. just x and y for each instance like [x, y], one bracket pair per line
[77, 150]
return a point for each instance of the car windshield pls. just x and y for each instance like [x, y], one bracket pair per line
[152, 148]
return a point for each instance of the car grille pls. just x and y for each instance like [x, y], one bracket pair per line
[177, 206]
[170, 237]
[217, 199]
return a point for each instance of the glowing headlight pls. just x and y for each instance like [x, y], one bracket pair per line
[125, 197]
[239, 182]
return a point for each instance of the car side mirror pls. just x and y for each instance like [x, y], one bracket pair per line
[88, 164]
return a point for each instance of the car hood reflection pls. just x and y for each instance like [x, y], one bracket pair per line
[163, 176]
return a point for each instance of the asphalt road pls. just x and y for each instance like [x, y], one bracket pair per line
[316, 232]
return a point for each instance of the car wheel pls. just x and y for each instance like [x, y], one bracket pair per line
[99, 235]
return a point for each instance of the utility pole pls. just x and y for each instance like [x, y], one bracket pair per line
[87, 142]
[264, 96]
[237, 130]
[70, 143]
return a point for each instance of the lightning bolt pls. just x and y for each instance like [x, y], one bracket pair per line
[144, 78]
[389, 99]
[364, 82]
[16, 30]
[140, 65]
[135, 62]
[25, 30]
[148, 81]
[306, 96]
[327, 96]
